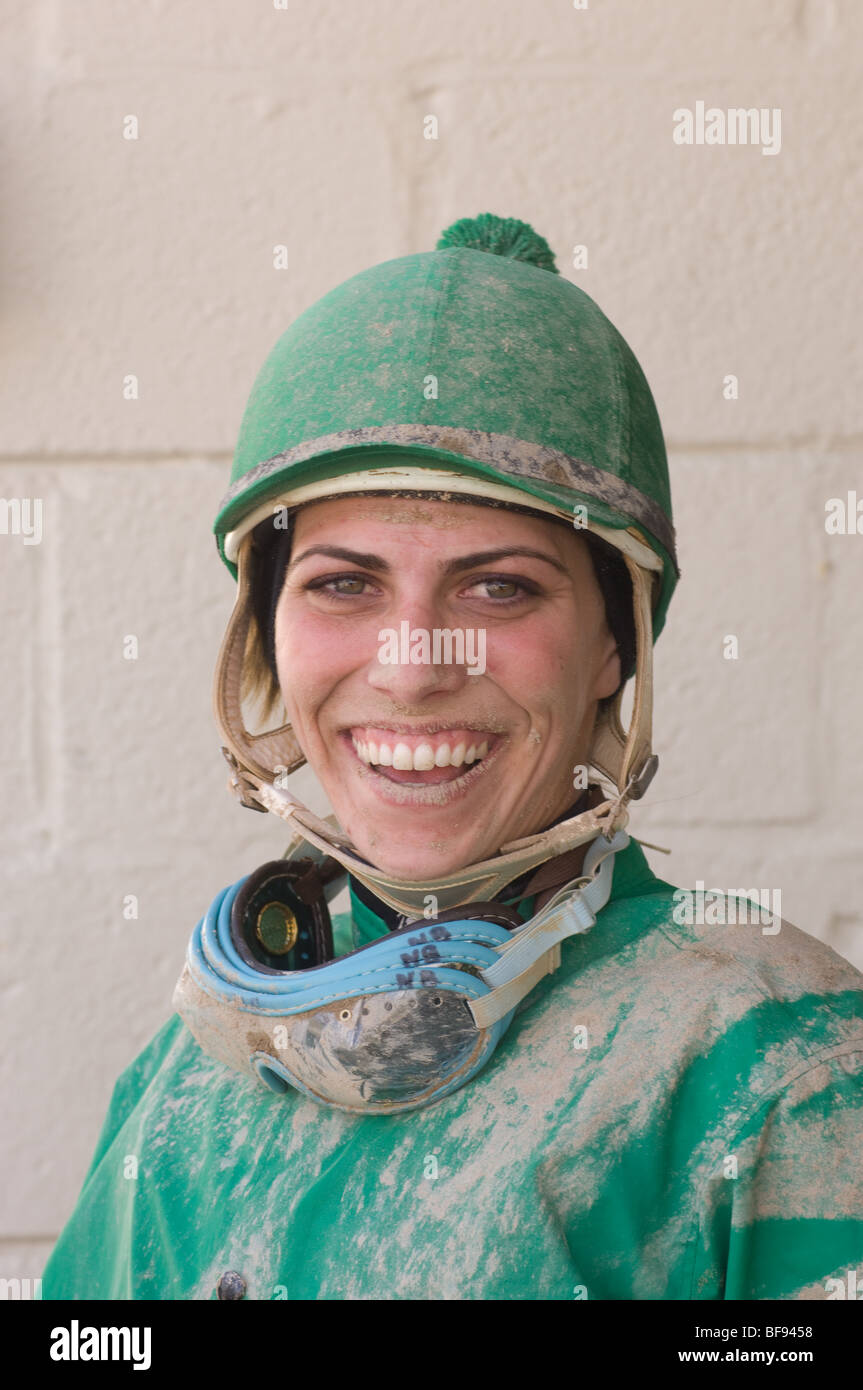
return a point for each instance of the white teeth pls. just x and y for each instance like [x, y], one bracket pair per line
[402, 758]
[424, 759]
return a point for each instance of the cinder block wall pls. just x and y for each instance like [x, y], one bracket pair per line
[305, 126]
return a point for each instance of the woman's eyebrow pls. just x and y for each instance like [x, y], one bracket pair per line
[336, 552]
[460, 562]
[488, 557]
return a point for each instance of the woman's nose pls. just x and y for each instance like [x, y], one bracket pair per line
[417, 658]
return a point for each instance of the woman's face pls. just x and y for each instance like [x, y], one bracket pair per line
[433, 764]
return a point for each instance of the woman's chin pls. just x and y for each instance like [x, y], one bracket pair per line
[417, 864]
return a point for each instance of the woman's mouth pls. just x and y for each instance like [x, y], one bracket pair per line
[422, 759]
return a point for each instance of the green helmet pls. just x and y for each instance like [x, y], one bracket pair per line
[476, 356]
[474, 369]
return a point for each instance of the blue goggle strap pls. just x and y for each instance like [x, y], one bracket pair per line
[414, 955]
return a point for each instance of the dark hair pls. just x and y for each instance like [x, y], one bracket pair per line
[268, 560]
[612, 576]
[271, 552]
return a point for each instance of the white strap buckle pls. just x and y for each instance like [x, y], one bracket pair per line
[534, 949]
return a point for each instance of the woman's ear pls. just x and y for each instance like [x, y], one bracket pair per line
[608, 676]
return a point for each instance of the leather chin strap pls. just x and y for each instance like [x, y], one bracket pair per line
[261, 762]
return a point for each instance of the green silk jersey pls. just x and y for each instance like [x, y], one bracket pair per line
[675, 1113]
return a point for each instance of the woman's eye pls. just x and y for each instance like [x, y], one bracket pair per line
[351, 585]
[340, 585]
[501, 589]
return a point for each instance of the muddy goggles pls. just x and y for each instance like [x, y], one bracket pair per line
[395, 1025]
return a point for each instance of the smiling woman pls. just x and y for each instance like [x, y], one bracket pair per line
[527, 584]
[272, 541]
[510, 1071]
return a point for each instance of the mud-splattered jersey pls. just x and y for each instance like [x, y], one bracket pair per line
[676, 1113]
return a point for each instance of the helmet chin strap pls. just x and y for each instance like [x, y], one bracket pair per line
[623, 758]
[474, 883]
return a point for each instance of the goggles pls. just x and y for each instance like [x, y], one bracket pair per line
[395, 1025]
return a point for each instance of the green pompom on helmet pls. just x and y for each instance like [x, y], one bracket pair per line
[501, 236]
[477, 370]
